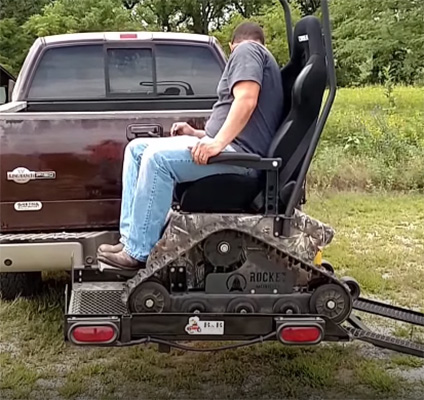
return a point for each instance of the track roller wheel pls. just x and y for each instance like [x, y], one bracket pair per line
[331, 301]
[149, 297]
[327, 266]
[283, 306]
[241, 306]
[353, 285]
[194, 306]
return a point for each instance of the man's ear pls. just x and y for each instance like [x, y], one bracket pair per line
[231, 46]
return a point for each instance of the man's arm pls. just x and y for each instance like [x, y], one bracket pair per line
[246, 94]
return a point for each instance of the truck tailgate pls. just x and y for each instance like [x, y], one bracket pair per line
[63, 170]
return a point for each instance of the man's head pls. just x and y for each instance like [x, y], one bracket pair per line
[247, 31]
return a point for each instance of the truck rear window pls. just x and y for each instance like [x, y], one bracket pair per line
[78, 72]
[74, 72]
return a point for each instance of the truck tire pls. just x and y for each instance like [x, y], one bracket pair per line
[14, 284]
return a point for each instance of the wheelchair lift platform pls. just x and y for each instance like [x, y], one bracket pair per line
[96, 316]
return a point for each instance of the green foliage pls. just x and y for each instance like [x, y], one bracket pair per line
[374, 41]
[197, 16]
[271, 18]
[69, 16]
[14, 43]
[307, 7]
[373, 139]
[21, 10]
[370, 35]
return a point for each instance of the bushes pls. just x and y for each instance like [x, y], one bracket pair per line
[374, 139]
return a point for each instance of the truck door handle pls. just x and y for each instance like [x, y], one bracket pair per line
[143, 130]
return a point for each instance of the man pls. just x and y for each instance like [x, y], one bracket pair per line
[245, 118]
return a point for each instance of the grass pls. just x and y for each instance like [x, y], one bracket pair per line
[371, 373]
[407, 362]
[379, 239]
[368, 143]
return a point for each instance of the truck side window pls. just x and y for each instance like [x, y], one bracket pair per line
[130, 71]
[72, 72]
[186, 70]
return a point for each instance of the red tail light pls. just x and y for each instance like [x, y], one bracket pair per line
[300, 334]
[128, 36]
[94, 334]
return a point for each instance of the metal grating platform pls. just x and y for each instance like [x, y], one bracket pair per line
[96, 302]
[54, 236]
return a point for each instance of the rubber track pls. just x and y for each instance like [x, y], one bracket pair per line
[389, 311]
[273, 250]
[388, 342]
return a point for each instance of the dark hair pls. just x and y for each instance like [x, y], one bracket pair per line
[248, 31]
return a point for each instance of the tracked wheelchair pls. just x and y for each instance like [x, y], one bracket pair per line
[238, 259]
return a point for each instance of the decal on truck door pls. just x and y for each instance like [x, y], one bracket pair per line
[24, 175]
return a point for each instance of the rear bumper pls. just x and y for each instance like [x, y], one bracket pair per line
[51, 251]
[169, 327]
[99, 304]
[27, 257]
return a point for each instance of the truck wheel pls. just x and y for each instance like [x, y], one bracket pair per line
[14, 284]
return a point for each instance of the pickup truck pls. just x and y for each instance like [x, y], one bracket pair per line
[77, 101]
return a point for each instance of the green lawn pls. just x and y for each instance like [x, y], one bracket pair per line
[369, 143]
[379, 241]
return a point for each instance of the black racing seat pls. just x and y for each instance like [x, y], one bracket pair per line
[304, 80]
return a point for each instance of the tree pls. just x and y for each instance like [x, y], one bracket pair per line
[164, 15]
[271, 19]
[14, 43]
[69, 16]
[21, 10]
[196, 16]
[248, 8]
[307, 7]
[371, 37]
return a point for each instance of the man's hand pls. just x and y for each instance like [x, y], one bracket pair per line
[203, 150]
[183, 128]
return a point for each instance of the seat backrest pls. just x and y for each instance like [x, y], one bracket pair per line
[304, 80]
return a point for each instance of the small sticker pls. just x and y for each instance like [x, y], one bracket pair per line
[28, 206]
[24, 175]
[197, 327]
[303, 38]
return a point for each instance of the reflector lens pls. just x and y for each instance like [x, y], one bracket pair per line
[300, 334]
[93, 334]
[128, 36]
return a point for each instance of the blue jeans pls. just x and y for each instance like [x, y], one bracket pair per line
[151, 168]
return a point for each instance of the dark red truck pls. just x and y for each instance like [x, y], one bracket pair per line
[78, 100]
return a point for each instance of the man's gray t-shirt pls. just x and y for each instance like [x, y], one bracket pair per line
[250, 61]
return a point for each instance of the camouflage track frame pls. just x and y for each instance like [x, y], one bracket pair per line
[184, 231]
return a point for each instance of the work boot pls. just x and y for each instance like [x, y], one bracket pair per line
[120, 260]
[108, 248]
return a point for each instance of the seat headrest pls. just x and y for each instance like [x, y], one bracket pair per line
[307, 40]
